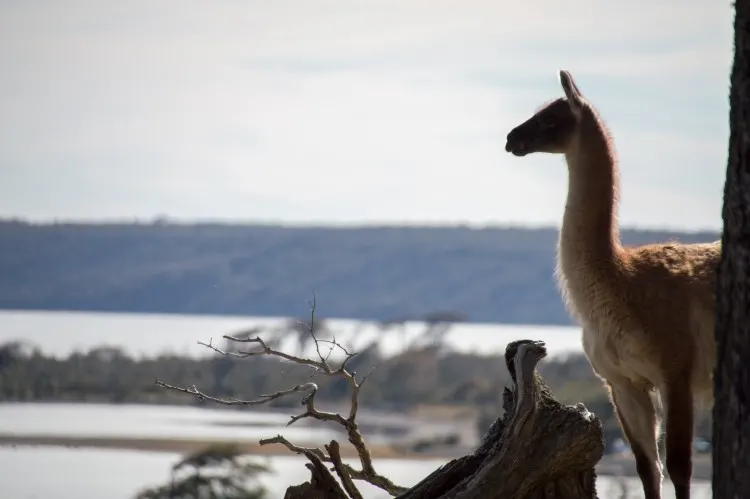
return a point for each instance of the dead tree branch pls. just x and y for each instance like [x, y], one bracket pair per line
[322, 480]
[539, 448]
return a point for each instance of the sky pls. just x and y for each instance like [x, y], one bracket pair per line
[353, 112]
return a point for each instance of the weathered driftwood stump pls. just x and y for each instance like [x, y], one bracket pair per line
[538, 449]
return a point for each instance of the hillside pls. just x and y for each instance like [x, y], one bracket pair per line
[491, 274]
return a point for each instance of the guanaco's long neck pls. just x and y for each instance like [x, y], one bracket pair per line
[589, 238]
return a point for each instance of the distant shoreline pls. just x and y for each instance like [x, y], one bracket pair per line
[184, 445]
[609, 465]
[381, 273]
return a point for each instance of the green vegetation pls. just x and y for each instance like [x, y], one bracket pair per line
[424, 375]
[215, 472]
[380, 273]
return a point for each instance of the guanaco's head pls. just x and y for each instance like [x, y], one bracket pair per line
[551, 129]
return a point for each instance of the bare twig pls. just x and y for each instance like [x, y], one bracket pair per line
[278, 439]
[311, 329]
[321, 365]
[311, 387]
[376, 480]
[341, 471]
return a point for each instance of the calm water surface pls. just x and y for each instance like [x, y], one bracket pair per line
[111, 474]
[153, 421]
[79, 473]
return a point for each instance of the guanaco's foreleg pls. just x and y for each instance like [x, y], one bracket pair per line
[635, 411]
[678, 406]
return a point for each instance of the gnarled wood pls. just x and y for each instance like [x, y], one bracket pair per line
[539, 448]
[322, 485]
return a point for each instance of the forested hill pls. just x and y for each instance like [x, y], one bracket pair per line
[381, 273]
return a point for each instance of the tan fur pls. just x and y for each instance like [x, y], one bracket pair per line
[647, 312]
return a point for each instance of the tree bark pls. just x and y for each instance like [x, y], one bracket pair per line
[322, 485]
[731, 413]
[539, 448]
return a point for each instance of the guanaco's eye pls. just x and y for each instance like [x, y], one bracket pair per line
[547, 122]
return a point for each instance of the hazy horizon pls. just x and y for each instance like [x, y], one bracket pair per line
[325, 224]
[388, 112]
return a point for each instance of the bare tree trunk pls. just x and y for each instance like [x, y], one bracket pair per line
[731, 413]
[540, 448]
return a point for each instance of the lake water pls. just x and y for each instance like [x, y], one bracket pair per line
[81, 473]
[152, 421]
[60, 333]
[97, 474]
[68, 473]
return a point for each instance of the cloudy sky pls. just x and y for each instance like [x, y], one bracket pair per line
[353, 111]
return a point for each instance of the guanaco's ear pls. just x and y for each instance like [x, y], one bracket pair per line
[571, 90]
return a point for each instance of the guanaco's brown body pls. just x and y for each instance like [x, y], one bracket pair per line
[647, 312]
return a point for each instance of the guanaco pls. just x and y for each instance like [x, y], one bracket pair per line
[646, 312]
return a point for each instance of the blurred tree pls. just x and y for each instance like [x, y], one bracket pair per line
[214, 473]
[438, 324]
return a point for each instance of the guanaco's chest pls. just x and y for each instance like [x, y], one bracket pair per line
[614, 357]
[612, 341]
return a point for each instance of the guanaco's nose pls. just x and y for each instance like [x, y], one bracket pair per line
[510, 140]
